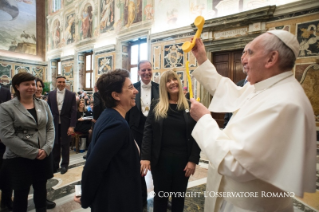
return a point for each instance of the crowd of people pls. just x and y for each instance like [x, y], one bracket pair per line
[145, 126]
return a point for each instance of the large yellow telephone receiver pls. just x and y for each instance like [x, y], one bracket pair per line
[187, 47]
[199, 23]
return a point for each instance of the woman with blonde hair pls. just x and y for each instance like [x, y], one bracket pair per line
[168, 146]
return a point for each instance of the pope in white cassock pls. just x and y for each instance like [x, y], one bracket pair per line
[269, 144]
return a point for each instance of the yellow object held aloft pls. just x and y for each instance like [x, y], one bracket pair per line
[199, 23]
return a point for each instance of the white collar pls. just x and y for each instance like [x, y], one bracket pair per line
[272, 80]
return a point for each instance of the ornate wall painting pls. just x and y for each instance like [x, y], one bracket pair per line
[285, 27]
[81, 58]
[148, 11]
[69, 26]
[125, 62]
[18, 26]
[157, 57]
[132, 12]
[56, 34]
[192, 60]
[19, 69]
[181, 76]
[86, 22]
[69, 85]
[105, 64]
[54, 73]
[308, 38]
[173, 56]
[310, 83]
[67, 70]
[38, 72]
[107, 15]
[157, 77]
[197, 7]
[124, 49]
[68, 2]
[5, 74]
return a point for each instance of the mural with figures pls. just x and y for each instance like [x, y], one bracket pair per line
[106, 15]
[56, 34]
[86, 22]
[308, 37]
[69, 26]
[18, 26]
[5, 74]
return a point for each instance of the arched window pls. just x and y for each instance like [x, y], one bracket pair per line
[56, 5]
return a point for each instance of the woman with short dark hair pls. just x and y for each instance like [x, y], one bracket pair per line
[40, 86]
[27, 130]
[112, 166]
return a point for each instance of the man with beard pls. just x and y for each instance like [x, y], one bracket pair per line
[136, 117]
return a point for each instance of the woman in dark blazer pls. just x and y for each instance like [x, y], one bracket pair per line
[111, 176]
[27, 130]
[168, 146]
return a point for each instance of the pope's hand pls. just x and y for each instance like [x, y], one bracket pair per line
[199, 51]
[197, 110]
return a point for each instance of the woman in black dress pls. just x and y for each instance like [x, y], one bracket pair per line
[111, 178]
[83, 125]
[168, 145]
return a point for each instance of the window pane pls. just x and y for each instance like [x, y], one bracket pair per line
[59, 68]
[143, 51]
[87, 80]
[88, 62]
[134, 75]
[134, 54]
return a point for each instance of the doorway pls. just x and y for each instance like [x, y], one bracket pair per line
[228, 64]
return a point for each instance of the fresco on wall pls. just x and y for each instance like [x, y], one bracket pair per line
[38, 72]
[5, 74]
[180, 74]
[310, 83]
[125, 62]
[18, 26]
[285, 27]
[197, 7]
[69, 33]
[67, 2]
[86, 25]
[106, 15]
[148, 10]
[132, 12]
[20, 69]
[67, 70]
[308, 37]
[173, 56]
[105, 64]
[157, 77]
[56, 34]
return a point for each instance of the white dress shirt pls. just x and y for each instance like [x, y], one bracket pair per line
[146, 94]
[60, 99]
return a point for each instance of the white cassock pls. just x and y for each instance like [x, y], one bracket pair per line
[269, 145]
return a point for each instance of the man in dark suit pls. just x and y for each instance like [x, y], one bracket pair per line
[136, 117]
[5, 186]
[63, 106]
